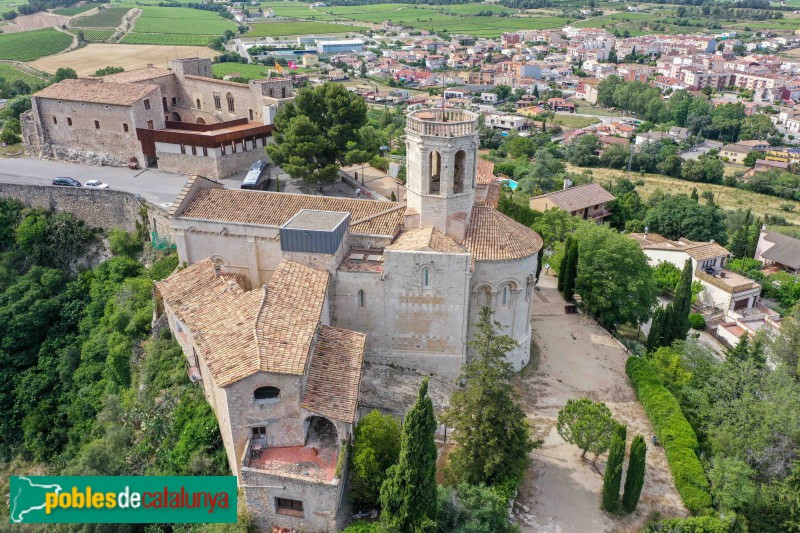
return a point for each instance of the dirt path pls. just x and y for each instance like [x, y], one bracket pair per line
[577, 358]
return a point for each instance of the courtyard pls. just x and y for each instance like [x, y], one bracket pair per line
[577, 358]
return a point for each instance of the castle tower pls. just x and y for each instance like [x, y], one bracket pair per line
[441, 153]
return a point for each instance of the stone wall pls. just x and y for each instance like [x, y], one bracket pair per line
[99, 208]
[321, 501]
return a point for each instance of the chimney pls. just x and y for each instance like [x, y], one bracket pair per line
[217, 270]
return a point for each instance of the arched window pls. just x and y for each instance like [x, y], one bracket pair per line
[426, 278]
[436, 170]
[198, 103]
[529, 287]
[459, 171]
[229, 98]
[283, 92]
[506, 295]
[362, 299]
[266, 395]
[484, 297]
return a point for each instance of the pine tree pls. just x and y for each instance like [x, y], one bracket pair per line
[408, 495]
[613, 475]
[634, 479]
[741, 238]
[536, 91]
[682, 306]
[488, 424]
[571, 271]
[656, 330]
[754, 234]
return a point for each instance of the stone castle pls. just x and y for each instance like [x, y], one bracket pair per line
[178, 119]
[284, 296]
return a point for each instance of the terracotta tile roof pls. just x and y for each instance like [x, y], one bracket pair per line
[426, 239]
[485, 172]
[139, 74]
[334, 375]
[274, 209]
[240, 333]
[703, 251]
[579, 197]
[97, 91]
[492, 195]
[492, 236]
[289, 317]
[219, 315]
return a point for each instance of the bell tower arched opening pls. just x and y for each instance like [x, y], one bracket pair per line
[435, 165]
[459, 171]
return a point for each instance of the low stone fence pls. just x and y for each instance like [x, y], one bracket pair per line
[99, 208]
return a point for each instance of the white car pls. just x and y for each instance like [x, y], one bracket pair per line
[96, 184]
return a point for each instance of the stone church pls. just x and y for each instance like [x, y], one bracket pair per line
[284, 296]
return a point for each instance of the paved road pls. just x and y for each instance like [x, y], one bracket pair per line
[154, 185]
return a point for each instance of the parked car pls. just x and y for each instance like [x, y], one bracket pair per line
[96, 184]
[258, 177]
[67, 182]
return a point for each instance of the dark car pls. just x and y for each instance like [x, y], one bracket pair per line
[67, 182]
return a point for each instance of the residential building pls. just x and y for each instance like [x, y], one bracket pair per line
[588, 201]
[778, 250]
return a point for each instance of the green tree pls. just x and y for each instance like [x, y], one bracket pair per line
[676, 216]
[682, 305]
[659, 328]
[122, 242]
[65, 73]
[758, 126]
[52, 240]
[614, 280]
[586, 424]
[408, 495]
[571, 271]
[751, 158]
[634, 479]
[473, 509]
[520, 147]
[786, 346]
[563, 270]
[488, 423]
[732, 483]
[376, 447]
[312, 132]
[612, 479]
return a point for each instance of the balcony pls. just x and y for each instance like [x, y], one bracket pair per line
[442, 123]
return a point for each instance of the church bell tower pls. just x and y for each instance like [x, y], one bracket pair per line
[441, 154]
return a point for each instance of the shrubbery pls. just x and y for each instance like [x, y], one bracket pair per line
[696, 321]
[674, 432]
[693, 524]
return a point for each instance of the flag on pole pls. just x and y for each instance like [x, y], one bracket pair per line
[292, 65]
[278, 68]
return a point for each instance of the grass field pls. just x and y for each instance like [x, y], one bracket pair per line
[106, 18]
[251, 72]
[725, 197]
[88, 59]
[572, 122]
[30, 45]
[298, 10]
[277, 29]
[97, 34]
[72, 11]
[10, 73]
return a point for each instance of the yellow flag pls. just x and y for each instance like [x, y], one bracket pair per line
[278, 68]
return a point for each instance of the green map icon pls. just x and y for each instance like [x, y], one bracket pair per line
[27, 499]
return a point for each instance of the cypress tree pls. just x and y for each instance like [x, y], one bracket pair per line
[682, 306]
[571, 271]
[660, 328]
[741, 238]
[754, 234]
[536, 91]
[408, 495]
[634, 479]
[539, 260]
[613, 476]
[562, 266]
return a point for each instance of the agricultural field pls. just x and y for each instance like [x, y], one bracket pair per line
[30, 45]
[456, 18]
[88, 59]
[570, 122]
[106, 18]
[299, 10]
[177, 20]
[72, 11]
[11, 73]
[181, 39]
[96, 34]
[280, 29]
